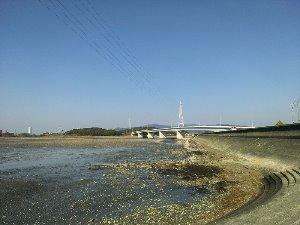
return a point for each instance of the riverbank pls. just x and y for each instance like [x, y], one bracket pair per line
[276, 155]
[267, 150]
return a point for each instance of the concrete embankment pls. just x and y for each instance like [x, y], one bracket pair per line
[278, 158]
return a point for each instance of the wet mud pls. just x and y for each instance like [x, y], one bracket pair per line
[135, 183]
[189, 171]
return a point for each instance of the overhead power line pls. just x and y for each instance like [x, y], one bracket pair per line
[112, 34]
[88, 24]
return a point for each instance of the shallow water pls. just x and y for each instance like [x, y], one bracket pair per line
[58, 186]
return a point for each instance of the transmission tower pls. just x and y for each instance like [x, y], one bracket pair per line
[295, 108]
[180, 115]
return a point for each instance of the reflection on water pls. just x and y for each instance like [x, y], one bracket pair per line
[57, 185]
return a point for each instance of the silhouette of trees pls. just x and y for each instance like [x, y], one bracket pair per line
[93, 131]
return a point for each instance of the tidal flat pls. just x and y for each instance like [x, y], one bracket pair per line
[120, 181]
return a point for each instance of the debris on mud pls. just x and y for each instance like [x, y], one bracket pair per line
[190, 171]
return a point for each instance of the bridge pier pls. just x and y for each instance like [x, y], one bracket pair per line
[150, 135]
[161, 135]
[183, 132]
[140, 134]
[180, 134]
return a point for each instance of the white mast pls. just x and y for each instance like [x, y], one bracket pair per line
[180, 115]
[129, 123]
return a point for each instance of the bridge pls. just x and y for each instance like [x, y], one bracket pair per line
[181, 132]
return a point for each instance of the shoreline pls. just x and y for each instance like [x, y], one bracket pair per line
[244, 183]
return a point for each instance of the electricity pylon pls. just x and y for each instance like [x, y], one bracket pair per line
[295, 106]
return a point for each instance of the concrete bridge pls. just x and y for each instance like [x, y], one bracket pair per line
[182, 132]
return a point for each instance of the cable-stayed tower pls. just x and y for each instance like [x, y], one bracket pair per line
[180, 115]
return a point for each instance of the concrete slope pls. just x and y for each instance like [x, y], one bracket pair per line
[279, 159]
[276, 151]
[278, 204]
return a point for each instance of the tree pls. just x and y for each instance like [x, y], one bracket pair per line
[279, 123]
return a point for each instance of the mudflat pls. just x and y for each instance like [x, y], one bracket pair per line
[227, 172]
[65, 141]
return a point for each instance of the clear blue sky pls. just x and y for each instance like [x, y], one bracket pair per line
[237, 59]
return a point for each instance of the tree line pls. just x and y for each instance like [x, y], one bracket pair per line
[93, 131]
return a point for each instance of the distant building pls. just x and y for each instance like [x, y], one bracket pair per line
[29, 130]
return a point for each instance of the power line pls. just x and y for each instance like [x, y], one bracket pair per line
[98, 22]
[125, 65]
[112, 33]
[80, 29]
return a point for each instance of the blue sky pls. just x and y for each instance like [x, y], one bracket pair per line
[236, 59]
